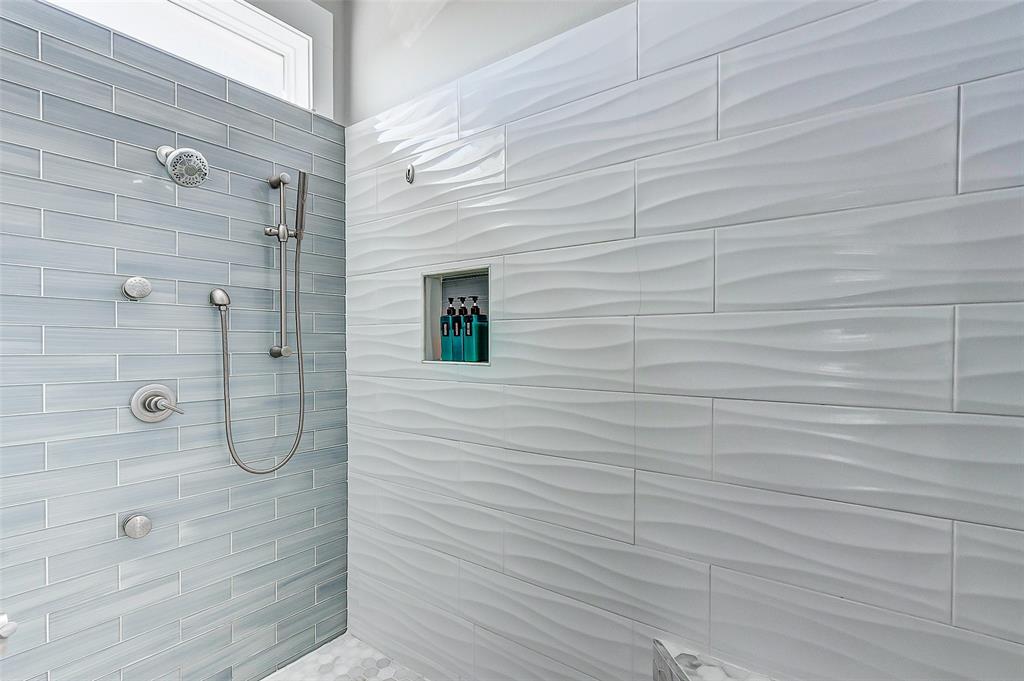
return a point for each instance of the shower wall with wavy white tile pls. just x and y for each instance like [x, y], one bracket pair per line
[757, 369]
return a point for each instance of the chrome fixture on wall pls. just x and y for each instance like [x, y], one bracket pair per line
[186, 167]
[137, 525]
[136, 288]
[220, 299]
[154, 402]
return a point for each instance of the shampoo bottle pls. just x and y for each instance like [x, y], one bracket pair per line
[458, 324]
[447, 332]
[474, 340]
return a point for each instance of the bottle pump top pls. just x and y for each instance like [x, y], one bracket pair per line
[462, 306]
[451, 306]
[476, 308]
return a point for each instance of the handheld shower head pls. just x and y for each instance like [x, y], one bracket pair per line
[300, 205]
[219, 297]
[186, 167]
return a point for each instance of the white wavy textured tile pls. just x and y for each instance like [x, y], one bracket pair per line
[419, 238]
[594, 353]
[455, 411]
[425, 463]
[442, 523]
[586, 496]
[988, 586]
[499, 659]
[588, 639]
[990, 358]
[895, 560]
[867, 55]
[394, 350]
[892, 152]
[662, 590]
[634, 276]
[950, 250]
[403, 130]
[959, 466]
[673, 435]
[795, 633]
[384, 298]
[673, 33]
[992, 133]
[458, 170]
[405, 566]
[360, 198]
[395, 623]
[590, 58]
[585, 208]
[879, 357]
[363, 500]
[588, 425]
[668, 111]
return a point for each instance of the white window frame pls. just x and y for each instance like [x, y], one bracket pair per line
[230, 37]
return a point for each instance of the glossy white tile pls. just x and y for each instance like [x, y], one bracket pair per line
[988, 586]
[990, 359]
[991, 133]
[418, 238]
[823, 164]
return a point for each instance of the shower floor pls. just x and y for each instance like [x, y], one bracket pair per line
[346, 658]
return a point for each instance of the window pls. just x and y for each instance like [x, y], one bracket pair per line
[230, 37]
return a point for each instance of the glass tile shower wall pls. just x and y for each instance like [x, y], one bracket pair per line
[241, 573]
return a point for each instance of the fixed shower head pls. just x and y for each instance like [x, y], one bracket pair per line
[219, 297]
[186, 167]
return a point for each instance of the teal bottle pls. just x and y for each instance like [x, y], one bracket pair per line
[458, 322]
[474, 339]
[447, 332]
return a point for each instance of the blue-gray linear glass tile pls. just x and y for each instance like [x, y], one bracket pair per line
[87, 341]
[110, 448]
[170, 217]
[105, 123]
[32, 192]
[332, 170]
[71, 284]
[19, 340]
[167, 317]
[95, 395]
[22, 369]
[172, 266]
[42, 658]
[19, 99]
[236, 563]
[268, 149]
[219, 110]
[182, 558]
[170, 117]
[311, 575]
[29, 250]
[163, 64]
[49, 19]
[20, 578]
[230, 159]
[328, 129]
[177, 366]
[255, 100]
[225, 204]
[87, 504]
[256, 492]
[54, 540]
[230, 251]
[22, 458]
[105, 69]
[271, 572]
[306, 141]
[35, 74]
[323, 187]
[54, 426]
[19, 38]
[174, 608]
[22, 518]
[226, 612]
[328, 207]
[49, 137]
[20, 160]
[68, 620]
[20, 220]
[199, 294]
[22, 489]
[110, 660]
[95, 176]
[20, 399]
[70, 227]
[94, 557]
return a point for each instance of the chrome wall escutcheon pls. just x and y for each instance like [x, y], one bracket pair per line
[410, 173]
[154, 402]
[136, 288]
[137, 526]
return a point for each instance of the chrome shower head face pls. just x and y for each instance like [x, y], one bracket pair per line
[186, 167]
[219, 297]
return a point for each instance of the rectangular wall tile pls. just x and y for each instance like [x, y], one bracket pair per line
[988, 579]
[94, 176]
[668, 111]
[880, 357]
[40, 135]
[897, 561]
[867, 55]
[420, 238]
[820, 165]
[990, 358]
[19, 99]
[797, 633]
[962, 249]
[102, 68]
[36, 74]
[593, 57]
[55, 21]
[163, 64]
[945, 465]
[991, 136]
[143, 108]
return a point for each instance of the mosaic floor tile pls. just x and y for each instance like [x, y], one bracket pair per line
[346, 658]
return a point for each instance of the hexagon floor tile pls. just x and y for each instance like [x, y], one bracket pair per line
[346, 658]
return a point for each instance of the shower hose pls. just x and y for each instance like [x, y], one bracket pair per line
[302, 379]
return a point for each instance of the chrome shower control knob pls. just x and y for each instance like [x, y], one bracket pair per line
[136, 288]
[410, 173]
[137, 526]
[154, 402]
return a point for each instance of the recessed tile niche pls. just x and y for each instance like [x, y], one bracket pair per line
[453, 337]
